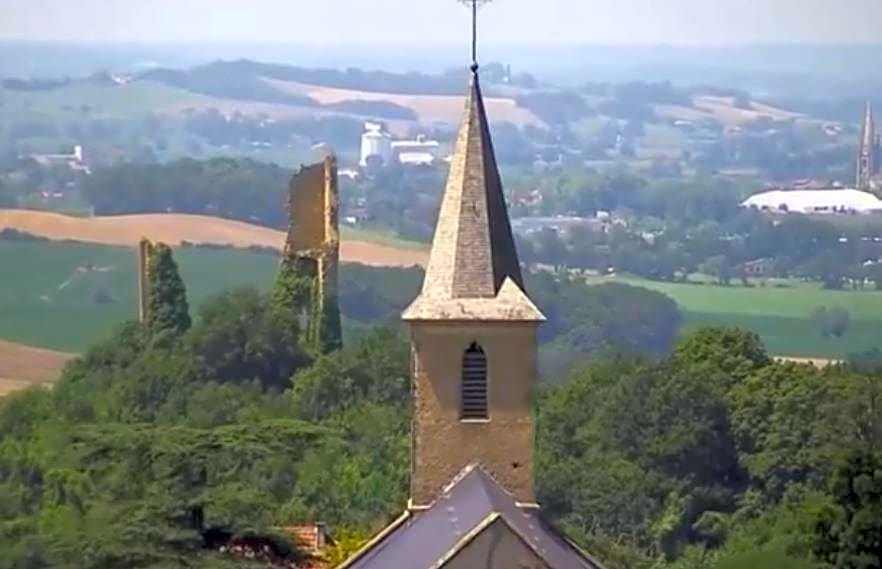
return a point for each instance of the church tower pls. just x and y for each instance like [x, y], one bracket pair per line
[868, 152]
[473, 332]
[473, 342]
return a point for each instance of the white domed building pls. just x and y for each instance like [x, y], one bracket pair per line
[815, 202]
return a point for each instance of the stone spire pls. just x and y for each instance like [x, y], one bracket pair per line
[867, 152]
[473, 270]
[868, 138]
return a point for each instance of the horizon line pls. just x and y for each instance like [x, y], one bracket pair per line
[428, 46]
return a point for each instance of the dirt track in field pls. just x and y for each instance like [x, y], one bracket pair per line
[173, 229]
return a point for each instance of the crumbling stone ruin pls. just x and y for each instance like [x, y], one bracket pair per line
[146, 249]
[307, 280]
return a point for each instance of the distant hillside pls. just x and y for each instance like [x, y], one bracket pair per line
[217, 80]
[175, 229]
[395, 96]
[427, 108]
[247, 81]
[214, 74]
[284, 91]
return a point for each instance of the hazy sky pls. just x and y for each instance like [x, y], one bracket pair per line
[342, 22]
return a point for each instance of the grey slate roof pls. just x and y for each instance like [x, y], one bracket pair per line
[422, 538]
[473, 252]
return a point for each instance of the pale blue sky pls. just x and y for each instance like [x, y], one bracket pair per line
[408, 22]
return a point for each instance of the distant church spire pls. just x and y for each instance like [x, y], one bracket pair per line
[868, 152]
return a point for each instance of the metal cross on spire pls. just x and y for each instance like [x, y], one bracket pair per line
[474, 5]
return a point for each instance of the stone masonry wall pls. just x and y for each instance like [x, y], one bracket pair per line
[442, 443]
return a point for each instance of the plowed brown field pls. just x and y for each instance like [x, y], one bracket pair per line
[23, 366]
[173, 229]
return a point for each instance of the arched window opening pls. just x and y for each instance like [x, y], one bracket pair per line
[474, 383]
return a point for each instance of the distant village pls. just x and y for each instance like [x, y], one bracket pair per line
[380, 149]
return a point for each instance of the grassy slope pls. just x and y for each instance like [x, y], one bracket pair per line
[780, 315]
[36, 310]
[388, 239]
[33, 310]
[135, 98]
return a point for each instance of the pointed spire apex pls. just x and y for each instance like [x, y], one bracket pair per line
[473, 255]
[473, 271]
[473, 238]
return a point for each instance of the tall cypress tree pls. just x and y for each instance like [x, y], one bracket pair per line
[167, 297]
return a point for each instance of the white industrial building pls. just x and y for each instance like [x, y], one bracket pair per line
[377, 144]
[419, 152]
[815, 201]
[74, 161]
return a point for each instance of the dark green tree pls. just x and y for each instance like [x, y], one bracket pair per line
[648, 449]
[240, 338]
[848, 535]
[719, 268]
[784, 431]
[167, 311]
[731, 351]
[374, 369]
[833, 321]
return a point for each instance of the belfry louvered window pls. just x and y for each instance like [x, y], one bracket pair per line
[474, 383]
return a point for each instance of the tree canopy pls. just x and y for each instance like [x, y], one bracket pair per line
[157, 454]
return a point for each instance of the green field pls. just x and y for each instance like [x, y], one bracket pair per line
[387, 238]
[134, 99]
[781, 315]
[46, 301]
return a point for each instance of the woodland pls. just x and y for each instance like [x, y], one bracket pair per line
[177, 435]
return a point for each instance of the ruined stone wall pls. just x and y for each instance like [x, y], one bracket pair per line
[145, 251]
[312, 253]
[443, 444]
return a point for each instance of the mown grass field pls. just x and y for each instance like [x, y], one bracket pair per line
[72, 101]
[48, 300]
[781, 315]
[379, 237]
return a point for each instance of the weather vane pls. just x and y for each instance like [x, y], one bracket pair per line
[474, 5]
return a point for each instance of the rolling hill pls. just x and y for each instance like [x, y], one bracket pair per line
[427, 108]
[174, 229]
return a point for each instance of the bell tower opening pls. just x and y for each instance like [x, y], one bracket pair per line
[474, 384]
